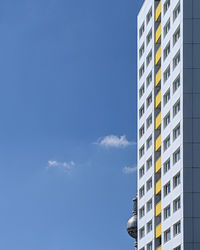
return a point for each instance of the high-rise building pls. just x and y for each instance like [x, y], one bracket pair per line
[168, 206]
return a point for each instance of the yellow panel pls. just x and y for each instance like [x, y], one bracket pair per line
[158, 143]
[158, 231]
[158, 165]
[158, 186]
[159, 248]
[158, 121]
[158, 77]
[158, 55]
[158, 11]
[158, 99]
[158, 33]
[158, 208]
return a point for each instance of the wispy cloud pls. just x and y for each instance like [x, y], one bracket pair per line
[114, 141]
[65, 166]
[129, 170]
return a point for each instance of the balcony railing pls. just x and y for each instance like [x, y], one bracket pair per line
[158, 11]
[158, 77]
[158, 33]
[158, 187]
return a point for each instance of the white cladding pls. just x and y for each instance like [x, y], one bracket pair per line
[171, 94]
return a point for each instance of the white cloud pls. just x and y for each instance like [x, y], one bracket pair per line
[114, 141]
[129, 170]
[66, 166]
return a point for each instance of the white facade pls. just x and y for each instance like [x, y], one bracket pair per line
[169, 91]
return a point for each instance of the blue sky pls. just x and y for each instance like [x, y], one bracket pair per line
[68, 123]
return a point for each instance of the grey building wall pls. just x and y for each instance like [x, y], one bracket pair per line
[191, 123]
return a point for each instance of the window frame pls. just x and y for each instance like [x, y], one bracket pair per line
[177, 180]
[167, 119]
[176, 11]
[149, 184]
[167, 50]
[175, 85]
[141, 30]
[166, 6]
[176, 204]
[167, 73]
[176, 156]
[166, 143]
[176, 35]
[175, 133]
[167, 235]
[141, 171]
[167, 188]
[167, 212]
[166, 97]
[167, 27]
[167, 165]
[149, 16]
[177, 228]
[149, 205]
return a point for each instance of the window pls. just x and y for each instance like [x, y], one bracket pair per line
[149, 205]
[166, 27]
[141, 91]
[149, 79]
[176, 60]
[166, 143]
[149, 100]
[167, 235]
[167, 189]
[176, 11]
[141, 71]
[166, 6]
[149, 37]
[167, 212]
[167, 97]
[141, 191]
[177, 248]
[149, 58]
[176, 84]
[142, 212]
[150, 246]
[141, 51]
[149, 121]
[176, 36]
[166, 120]
[167, 166]
[141, 232]
[149, 226]
[176, 156]
[167, 51]
[177, 204]
[176, 180]
[167, 73]
[176, 132]
[141, 171]
[141, 111]
[149, 16]
[149, 184]
[141, 131]
[177, 228]
[149, 163]
[141, 31]
[176, 108]
[149, 142]
[141, 151]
